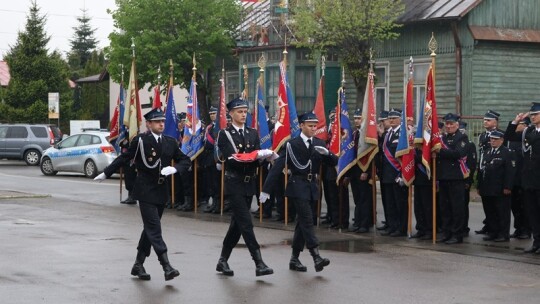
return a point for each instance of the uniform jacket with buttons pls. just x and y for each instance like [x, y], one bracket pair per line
[498, 172]
[531, 158]
[147, 187]
[298, 185]
[388, 172]
[235, 171]
[448, 166]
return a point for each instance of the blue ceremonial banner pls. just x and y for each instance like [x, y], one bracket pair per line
[264, 133]
[293, 116]
[171, 122]
[347, 156]
[122, 131]
[193, 143]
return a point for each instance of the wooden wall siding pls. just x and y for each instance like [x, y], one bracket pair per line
[517, 14]
[505, 78]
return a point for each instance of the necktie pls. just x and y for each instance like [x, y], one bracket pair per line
[310, 146]
[241, 132]
[159, 140]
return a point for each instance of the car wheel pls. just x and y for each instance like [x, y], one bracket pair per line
[47, 167]
[31, 157]
[90, 169]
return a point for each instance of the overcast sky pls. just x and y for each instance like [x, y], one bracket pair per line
[61, 18]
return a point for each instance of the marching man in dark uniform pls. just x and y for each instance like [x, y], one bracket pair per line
[240, 185]
[451, 174]
[495, 183]
[304, 156]
[491, 123]
[152, 153]
[530, 182]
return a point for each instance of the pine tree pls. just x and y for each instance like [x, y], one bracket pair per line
[82, 45]
[34, 72]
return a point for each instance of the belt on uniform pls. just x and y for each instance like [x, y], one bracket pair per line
[309, 177]
[247, 178]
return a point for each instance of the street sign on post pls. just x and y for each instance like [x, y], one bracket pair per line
[54, 105]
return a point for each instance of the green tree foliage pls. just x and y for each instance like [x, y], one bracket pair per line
[34, 72]
[173, 29]
[82, 45]
[348, 28]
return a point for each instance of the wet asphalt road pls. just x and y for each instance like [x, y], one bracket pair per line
[76, 244]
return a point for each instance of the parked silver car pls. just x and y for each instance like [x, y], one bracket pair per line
[88, 153]
[27, 141]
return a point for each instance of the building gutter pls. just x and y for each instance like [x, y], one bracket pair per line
[459, 65]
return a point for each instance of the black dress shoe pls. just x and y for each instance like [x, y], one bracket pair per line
[444, 239]
[481, 231]
[524, 236]
[489, 238]
[501, 239]
[353, 229]
[515, 234]
[362, 230]
[417, 235]
[383, 227]
[397, 233]
[454, 240]
[532, 249]
[387, 232]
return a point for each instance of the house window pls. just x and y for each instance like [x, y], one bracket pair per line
[420, 69]
[272, 88]
[231, 85]
[381, 86]
[304, 84]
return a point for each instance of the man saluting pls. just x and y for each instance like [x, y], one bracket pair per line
[152, 153]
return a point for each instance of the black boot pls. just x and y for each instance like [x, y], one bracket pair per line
[294, 263]
[222, 265]
[261, 268]
[129, 200]
[320, 262]
[168, 205]
[138, 269]
[188, 206]
[170, 272]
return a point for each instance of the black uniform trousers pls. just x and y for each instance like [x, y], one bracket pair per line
[151, 234]
[384, 201]
[521, 222]
[498, 214]
[532, 206]
[241, 223]
[304, 233]
[423, 208]
[340, 207]
[363, 210]
[390, 212]
[467, 198]
[451, 200]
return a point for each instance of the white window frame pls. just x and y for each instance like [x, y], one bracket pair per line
[418, 86]
[385, 65]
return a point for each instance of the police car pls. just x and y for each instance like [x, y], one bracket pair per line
[88, 153]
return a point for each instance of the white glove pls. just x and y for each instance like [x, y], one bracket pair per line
[101, 177]
[400, 181]
[263, 197]
[264, 153]
[168, 171]
[322, 150]
[218, 166]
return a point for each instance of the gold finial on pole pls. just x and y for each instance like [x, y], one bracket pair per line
[132, 46]
[432, 45]
[194, 67]
[262, 63]
[323, 64]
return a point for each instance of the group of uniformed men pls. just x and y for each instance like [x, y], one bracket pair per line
[506, 171]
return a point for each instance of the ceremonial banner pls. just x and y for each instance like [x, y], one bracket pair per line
[427, 131]
[193, 143]
[318, 110]
[132, 114]
[347, 153]
[368, 138]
